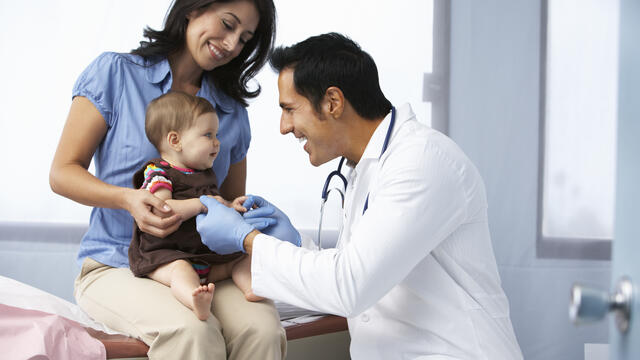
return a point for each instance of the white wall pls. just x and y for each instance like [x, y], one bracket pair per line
[47, 44]
[494, 117]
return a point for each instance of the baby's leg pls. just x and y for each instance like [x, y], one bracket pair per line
[220, 272]
[185, 286]
[241, 275]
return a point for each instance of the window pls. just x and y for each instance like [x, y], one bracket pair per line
[46, 50]
[578, 128]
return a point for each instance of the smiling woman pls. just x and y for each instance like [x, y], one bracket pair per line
[213, 50]
[225, 33]
[106, 122]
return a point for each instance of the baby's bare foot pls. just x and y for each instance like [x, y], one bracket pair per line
[250, 296]
[202, 296]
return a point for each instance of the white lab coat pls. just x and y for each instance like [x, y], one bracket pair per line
[415, 275]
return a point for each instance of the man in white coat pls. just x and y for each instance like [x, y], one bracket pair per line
[414, 271]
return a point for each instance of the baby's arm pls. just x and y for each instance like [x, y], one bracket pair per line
[235, 204]
[187, 208]
[157, 181]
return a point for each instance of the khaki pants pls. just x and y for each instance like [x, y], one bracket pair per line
[146, 309]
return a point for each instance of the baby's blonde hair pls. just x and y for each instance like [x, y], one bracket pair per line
[173, 111]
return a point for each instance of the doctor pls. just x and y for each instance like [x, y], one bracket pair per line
[414, 272]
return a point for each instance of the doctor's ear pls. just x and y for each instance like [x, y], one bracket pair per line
[334, 101]
[173, 140]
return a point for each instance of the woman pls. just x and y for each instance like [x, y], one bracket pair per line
[207, 48]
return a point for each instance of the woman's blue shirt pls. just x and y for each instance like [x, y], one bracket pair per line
[121, 86]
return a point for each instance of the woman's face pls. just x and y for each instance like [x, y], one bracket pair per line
[218, 34]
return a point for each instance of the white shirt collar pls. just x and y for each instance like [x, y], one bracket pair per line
[374, 147]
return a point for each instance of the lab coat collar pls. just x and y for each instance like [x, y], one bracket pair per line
[374, 147]
[158, 70]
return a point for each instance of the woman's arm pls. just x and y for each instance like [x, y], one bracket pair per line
[235, 183]
[84, 130]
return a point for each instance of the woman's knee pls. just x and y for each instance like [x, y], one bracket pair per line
[192, 338]
[258, 337]
[268, 332]
[265, 330]
[200, 331]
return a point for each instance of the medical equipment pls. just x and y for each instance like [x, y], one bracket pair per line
[325, 195]
[338, 173]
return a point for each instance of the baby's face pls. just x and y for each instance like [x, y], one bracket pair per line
[200, 145]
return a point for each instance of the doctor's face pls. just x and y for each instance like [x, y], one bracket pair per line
[317, 131]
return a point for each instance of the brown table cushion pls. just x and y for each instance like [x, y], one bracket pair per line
[324, 325]
[120, 346]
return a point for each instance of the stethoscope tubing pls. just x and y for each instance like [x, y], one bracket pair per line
[338, 173]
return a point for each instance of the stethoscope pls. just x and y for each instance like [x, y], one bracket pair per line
[338, 173]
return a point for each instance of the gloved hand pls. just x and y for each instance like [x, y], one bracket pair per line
[266, 212]
[222, 229]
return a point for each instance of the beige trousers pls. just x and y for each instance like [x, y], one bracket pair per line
[146, 309]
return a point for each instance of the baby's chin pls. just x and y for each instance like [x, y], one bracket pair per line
[200, 166]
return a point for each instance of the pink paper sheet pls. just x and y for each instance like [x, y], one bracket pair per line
[32, 334]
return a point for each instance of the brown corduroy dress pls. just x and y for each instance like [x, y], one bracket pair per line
[147, 252]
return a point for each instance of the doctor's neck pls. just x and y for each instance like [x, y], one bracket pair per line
[358, 131]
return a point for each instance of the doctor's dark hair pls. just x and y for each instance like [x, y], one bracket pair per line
[232, 78]
[334, 60]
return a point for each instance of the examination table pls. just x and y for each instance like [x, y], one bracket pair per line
[120, 346]
[28, 253]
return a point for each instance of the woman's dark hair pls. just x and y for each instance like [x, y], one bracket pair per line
[232, 78]
[334, 60]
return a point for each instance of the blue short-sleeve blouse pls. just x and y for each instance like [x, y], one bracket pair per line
[121, 86]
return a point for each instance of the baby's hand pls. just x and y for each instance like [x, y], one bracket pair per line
[220, 199]
[237, 204]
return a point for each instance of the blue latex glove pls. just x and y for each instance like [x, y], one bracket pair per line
[222, 229]
[261, 223]
[265, 212]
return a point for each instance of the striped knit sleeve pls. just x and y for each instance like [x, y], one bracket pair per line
[155, 178]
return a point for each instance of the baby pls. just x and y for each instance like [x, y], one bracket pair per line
[183, 129]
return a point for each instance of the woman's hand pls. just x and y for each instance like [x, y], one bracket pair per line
[152, 214]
